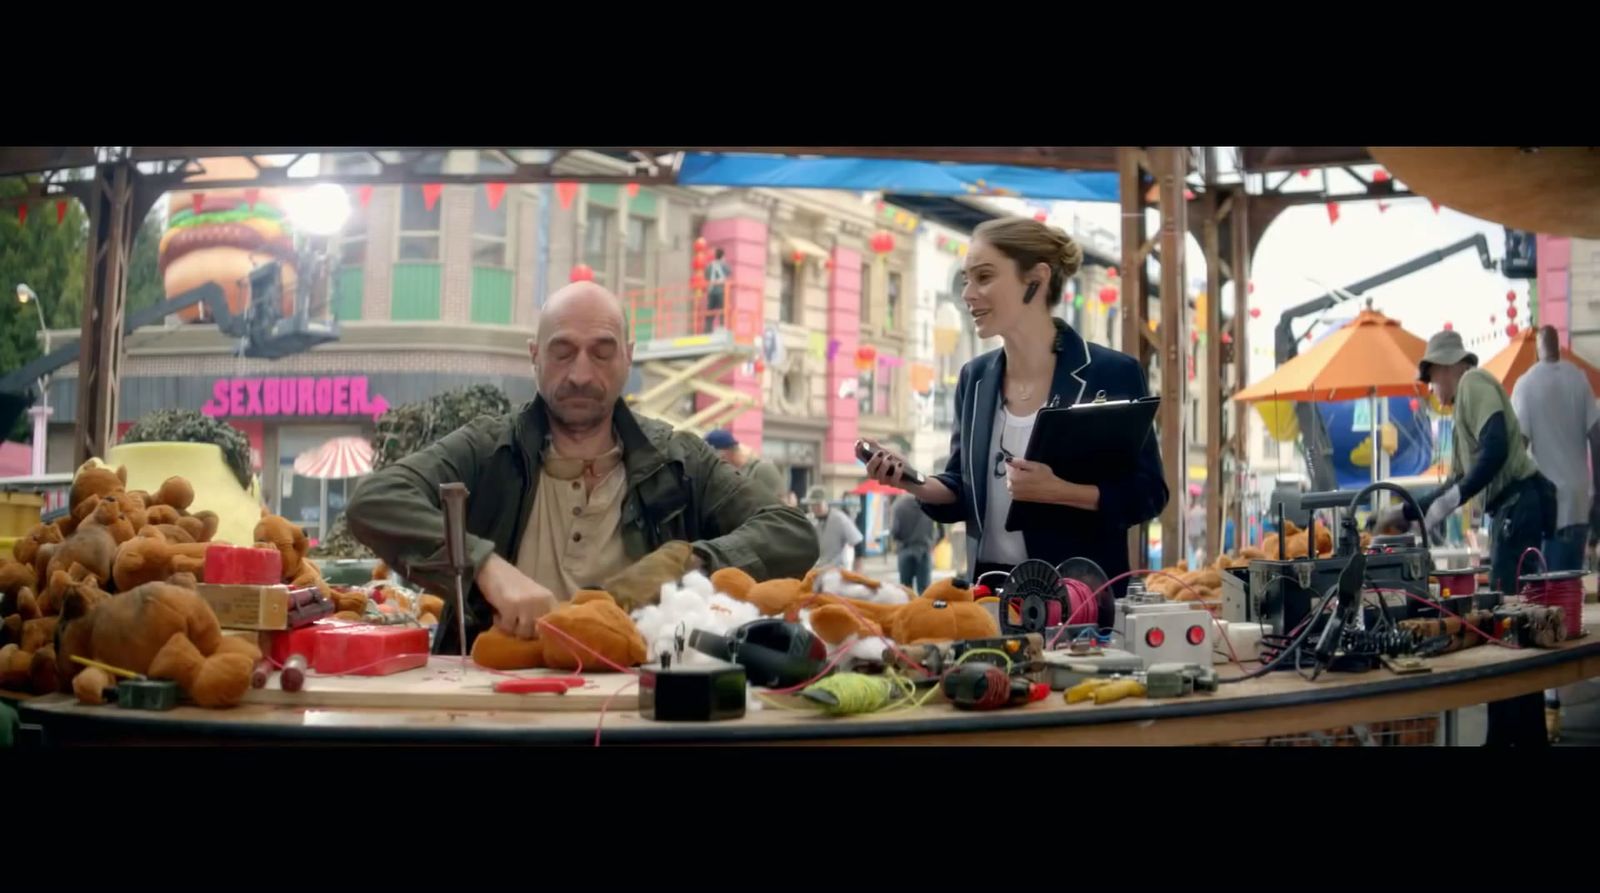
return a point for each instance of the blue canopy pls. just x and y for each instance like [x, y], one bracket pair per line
[888, 175]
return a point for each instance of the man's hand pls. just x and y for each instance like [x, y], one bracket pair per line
[1442, 506]
[518, 601]
[1031, 481]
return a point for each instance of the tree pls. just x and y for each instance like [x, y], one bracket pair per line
[145, 288]
[52, 259]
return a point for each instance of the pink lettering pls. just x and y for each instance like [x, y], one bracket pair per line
[307, 396]
[358, 396]
[236, 397]
[324, 396]
[269, 396]
[286, 404]
[218, 404]
[253, 390]
[341, 396]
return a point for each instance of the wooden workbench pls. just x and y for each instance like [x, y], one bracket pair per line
[1279, 704]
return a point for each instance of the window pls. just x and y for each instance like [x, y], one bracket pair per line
[419, 227]
[884, 399]
[639, 255]
[866, 392]
[789, 293]
[489, 229]
[866, 294]
[894, 298]
[597, 243]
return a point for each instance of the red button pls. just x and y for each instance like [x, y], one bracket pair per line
[1197, 634]
[1154, 638]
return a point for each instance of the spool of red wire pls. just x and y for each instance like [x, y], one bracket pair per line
[1558, 589]
[1081, 597]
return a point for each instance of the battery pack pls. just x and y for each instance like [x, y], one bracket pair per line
[692, 692]
[147, 694]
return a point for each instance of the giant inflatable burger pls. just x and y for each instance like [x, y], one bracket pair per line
[220, 236]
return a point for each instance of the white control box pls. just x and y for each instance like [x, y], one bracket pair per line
[1166, 632]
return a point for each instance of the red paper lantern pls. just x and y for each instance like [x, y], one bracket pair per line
[61, 211]
[633, 190]
[1511, 330]
[1041, 216]
[1511, 297]
[1227, 337]
[697, 282]
[866, 358]
[1333, 212]
[1108, 295]
[1255, 312]
[700, 244]
[1111, 272]
[761, 366]
[22, 214]
[582, 273]
[1511, 313]
[1449, 327]
[1250, 288]
[882, 242]
[699, 263]
[1305, 172]
[1381, 176]
[799, 257]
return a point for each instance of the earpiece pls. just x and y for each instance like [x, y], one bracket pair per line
[1027, 296]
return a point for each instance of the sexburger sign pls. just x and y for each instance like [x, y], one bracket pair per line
[303, 396]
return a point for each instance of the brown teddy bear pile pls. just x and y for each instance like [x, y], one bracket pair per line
[1180, 583]
[114, 581]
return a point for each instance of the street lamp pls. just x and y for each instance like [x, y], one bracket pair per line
[41, 412]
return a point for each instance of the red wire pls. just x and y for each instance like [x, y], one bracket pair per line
[1544, 565]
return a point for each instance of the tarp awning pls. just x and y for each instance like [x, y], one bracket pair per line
[887, 175]
[797, 245]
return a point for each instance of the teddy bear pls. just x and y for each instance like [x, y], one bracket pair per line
[150, 556]
[26, 549]
[94, 543]
[14, 575]
[946, 612]
[162, 630]
[592, 618]
[65, 581]
[278, 532]
[93, 479]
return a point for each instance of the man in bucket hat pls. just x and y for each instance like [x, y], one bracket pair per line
[1490, 456]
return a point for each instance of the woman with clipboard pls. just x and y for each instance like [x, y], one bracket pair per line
[1016, 272]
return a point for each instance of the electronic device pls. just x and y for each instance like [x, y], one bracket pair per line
[1158, 631]
[774, 653]
[679, 692]
[865, 452]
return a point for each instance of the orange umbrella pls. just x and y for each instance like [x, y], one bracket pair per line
[1370, 357]
[1520, 355]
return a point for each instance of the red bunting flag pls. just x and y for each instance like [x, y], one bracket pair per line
[364, 195]
[430, 194]
[495, 192]
[61, 211]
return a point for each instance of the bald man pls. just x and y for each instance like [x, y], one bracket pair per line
[573, 491]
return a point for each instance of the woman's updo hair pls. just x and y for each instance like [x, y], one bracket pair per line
[1029, 242]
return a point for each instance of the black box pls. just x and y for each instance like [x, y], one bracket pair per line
[692, 692]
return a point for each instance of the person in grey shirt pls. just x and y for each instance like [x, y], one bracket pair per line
[837, 534]
[913, 534]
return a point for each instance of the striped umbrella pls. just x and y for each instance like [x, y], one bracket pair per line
[341, 457]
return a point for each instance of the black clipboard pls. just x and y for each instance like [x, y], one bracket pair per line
[1086, 443]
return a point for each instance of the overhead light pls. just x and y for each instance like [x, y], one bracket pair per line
[25, 294]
